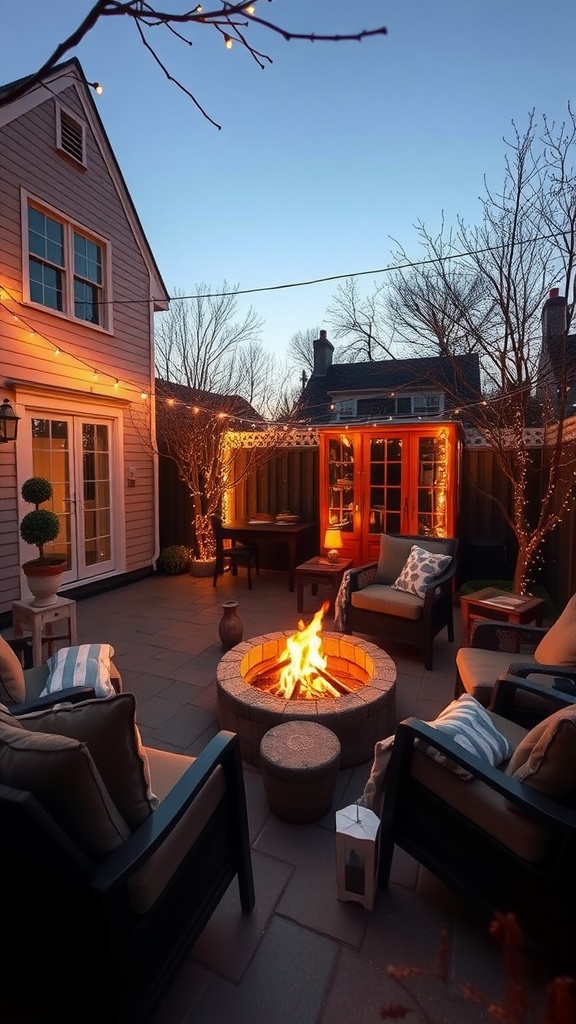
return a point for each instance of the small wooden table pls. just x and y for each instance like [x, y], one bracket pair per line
[39, 621]
[290, 534]
[319, 570]
[491, 603]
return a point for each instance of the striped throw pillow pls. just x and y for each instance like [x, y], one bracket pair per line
[84, 665]
[467, 723]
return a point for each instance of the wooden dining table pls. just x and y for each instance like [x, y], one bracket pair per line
[293, 535]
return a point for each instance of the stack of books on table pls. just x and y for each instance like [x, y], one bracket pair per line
[505, 601]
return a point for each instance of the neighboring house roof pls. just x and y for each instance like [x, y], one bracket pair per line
[372, 383]
[60, 78]
[233, 405]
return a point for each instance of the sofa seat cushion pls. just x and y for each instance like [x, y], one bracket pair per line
[12, 685]
[558, 645]
[479, 669]
[149, 881]
[484, 807]
[386, 601]
[108, 727]
[63, 777]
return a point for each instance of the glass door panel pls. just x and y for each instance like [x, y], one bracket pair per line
[342, 498]
[432, 484]
[75, 456]
[385, 485]
[51, 459]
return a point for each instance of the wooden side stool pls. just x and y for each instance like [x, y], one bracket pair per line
[299, 763]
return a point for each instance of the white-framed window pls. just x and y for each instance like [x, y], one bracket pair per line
[345, 409]
[429, 404]
[70, 136]
[67, 266]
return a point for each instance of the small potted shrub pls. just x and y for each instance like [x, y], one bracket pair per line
[40, 527]
[174, 559]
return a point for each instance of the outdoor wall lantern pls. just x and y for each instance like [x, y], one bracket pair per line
[8, 422]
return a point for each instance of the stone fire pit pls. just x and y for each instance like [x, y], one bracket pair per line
[358, 719]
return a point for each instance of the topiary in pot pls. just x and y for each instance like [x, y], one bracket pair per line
[40, 527]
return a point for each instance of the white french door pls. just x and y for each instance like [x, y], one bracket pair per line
[77, 454]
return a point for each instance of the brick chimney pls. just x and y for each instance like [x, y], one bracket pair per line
[554, 316]
[323, 352]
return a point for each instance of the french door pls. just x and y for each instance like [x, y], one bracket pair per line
[76, 454]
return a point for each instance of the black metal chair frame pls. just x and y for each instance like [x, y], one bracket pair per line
[116, 963]
[466, 857]
[437, 611]
[237, 554]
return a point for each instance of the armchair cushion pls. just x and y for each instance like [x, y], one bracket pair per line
[558, 645]
[12, 686]
[420, 569]
[393, 554]
[469, 725]
[383, 599]
[63, 777]
[108, 728]
[545, 759]
[83, 665]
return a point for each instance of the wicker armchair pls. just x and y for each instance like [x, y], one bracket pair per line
[391, 614]
[503, 844]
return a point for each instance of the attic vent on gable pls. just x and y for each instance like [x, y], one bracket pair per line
[71, 137]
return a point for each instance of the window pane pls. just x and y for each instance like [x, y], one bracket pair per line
[45, 285]
[86, 302]
[87, 259]
[45, 237]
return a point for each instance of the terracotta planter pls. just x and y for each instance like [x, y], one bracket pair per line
[44, 582]
[230, 628]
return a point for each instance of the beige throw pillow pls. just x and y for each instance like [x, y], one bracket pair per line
[12, 685]
[546, 758]
[62, 776]
[107, 726]
[558, 646]
[393, 553]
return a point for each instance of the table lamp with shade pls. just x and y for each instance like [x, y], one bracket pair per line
[332, 544]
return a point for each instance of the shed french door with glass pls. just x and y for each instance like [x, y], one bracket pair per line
[76, 454]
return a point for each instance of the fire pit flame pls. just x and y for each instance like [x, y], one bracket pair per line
[304, 678]
[301, 672]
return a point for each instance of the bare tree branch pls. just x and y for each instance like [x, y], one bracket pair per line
[230, 20]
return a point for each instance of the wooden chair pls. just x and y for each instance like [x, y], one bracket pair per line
[123, 918]
[504, 844]
[238, 554]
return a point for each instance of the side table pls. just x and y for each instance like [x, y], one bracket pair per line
[26, 618]
[320, 570]
[491, 603]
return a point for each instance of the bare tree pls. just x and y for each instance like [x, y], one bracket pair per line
[199, 341]
[360, 321]
[301, 348]
[232, 21]
[493, 303]
[205, 440]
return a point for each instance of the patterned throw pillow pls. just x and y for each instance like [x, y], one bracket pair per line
[420, 569]
[467, 723]
[85, 665]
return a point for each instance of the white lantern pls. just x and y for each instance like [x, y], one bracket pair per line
[357, 836]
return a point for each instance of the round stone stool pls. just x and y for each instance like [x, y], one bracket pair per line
[299, 763]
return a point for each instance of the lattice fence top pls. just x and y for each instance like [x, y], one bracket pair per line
[307, 437]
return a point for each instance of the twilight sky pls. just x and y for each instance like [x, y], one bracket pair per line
[325, 156]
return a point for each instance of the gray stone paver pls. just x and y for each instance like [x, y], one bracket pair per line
[303, 956]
